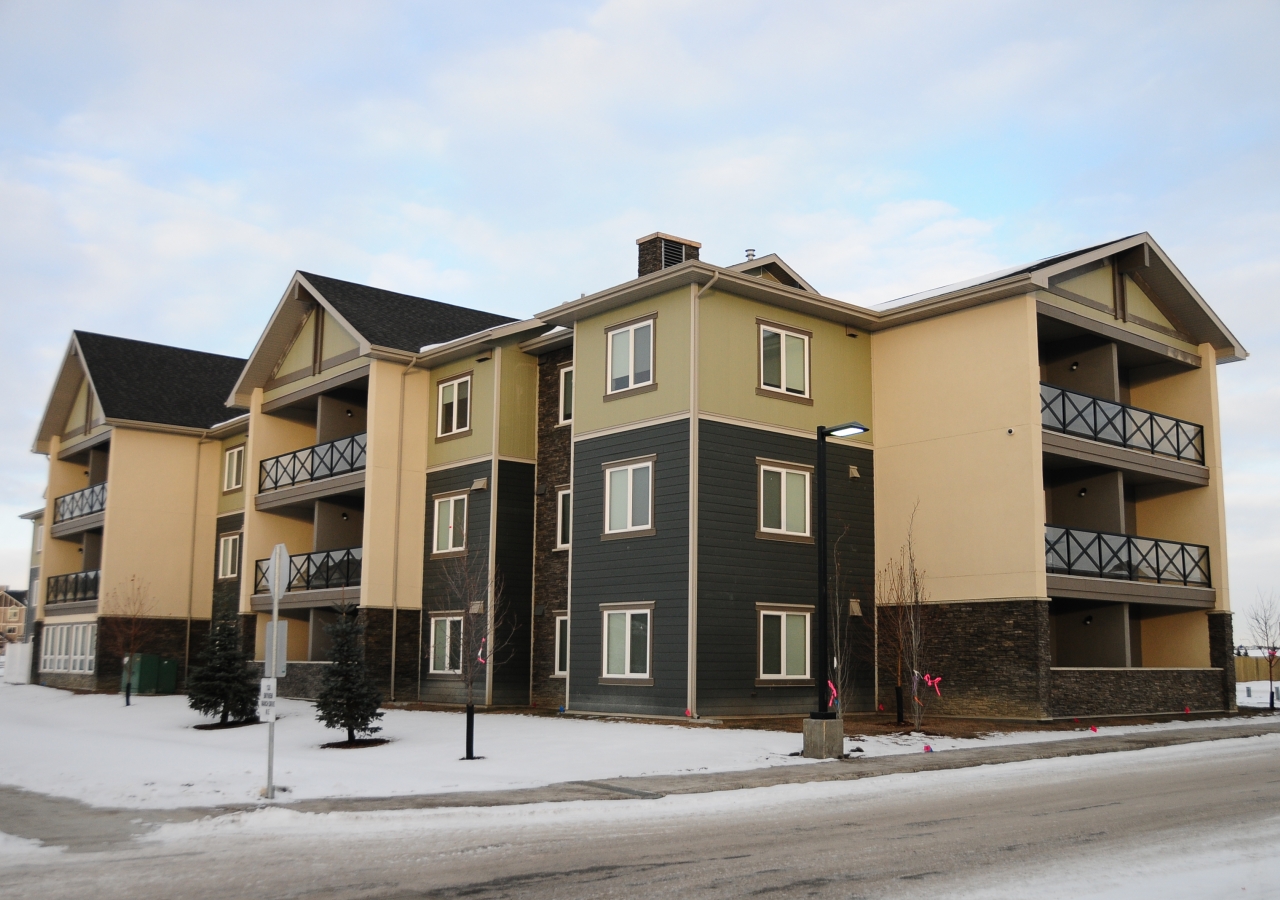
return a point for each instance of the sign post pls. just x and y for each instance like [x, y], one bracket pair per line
[278, 583]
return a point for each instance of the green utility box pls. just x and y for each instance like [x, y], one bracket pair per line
[152, 675]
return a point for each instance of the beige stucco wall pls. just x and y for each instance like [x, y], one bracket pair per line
[946, 392]
[59, 557]
[480, 441]
[518, 413]
[1180, 640]
[299, 638]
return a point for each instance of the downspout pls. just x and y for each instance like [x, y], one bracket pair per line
[493, 524]
[395, 530]
[695, 296]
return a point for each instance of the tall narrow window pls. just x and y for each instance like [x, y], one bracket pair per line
[630, 356]
[626, 643]
[446, 645]
[229, 556]
[784, 501]
[784, 644]
[451, 523]
[562, 645]
[455, 406]
[564, 516]
[233, 469]
[628, 500]
[566, 395]
[784, 361]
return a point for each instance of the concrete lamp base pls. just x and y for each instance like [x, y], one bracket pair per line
[823, 738]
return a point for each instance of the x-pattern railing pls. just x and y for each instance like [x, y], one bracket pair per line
[71, 588]
[1100, 554]
[313, 463]
[1071, 412]
[316, 571]
[80, 503]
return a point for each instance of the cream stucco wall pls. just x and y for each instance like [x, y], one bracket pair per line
[1180, 640]
[518, 414]
[59, 557]
[946, 394]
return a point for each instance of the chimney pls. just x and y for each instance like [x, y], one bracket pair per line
[662, 251]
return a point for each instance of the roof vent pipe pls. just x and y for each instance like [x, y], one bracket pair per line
[751, 254]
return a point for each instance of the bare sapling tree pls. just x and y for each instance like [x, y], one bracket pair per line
[129, 626]
[1264, 623]
[474, 600]
[847, 640]
[900, 620]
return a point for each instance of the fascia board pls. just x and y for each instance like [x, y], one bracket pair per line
[231, 426]
[365, 346]
[34, 514]
[976, 295]
[777, 260]
[62, 395]
[462, 347]
[545, 343]
[256, 372]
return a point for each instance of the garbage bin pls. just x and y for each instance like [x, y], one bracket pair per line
[151, 675]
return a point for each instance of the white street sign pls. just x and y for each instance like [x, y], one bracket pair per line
[267, 700]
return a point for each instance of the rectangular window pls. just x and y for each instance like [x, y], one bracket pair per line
[564, 516]
[630, 356]
[784, 361]
[446, 645]
[784, 644]
[451, 523]
[69, 648]
[628, 497]
[455, 406]
[229, 556]
[626, 643]
[566, 395]
[233, 469]
[784, 500]
[562, 645]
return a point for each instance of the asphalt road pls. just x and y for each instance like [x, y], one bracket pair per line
[934, 834]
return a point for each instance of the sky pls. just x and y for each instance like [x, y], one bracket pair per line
[165, 167]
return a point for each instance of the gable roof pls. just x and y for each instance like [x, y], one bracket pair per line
[777, 268]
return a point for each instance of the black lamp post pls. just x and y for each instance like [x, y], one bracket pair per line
[821, 674]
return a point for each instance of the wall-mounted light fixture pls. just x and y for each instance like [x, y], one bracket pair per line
[1074, 366]
[350, 414]
[344, 517]
[1088, 620]
[1083, 491]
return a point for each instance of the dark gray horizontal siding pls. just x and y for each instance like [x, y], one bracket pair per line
[737, 570]
[643, 569]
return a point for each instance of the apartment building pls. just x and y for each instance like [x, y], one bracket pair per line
[13, 615]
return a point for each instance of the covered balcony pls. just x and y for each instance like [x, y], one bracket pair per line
[334, 467]
[1082, 415]
[322, 577]
[74, 587]
[1099, 565]
[79, 511]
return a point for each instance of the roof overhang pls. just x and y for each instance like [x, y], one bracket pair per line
[33, 515]
[65, 386]
[555, 339]
[460, 348]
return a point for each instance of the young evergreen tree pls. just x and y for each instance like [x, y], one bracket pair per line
[348, 697]
[221, 684]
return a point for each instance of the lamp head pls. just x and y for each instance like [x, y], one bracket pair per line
[848, 429]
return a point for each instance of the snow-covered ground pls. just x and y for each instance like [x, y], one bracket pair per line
[1254, 693]
[94, 749]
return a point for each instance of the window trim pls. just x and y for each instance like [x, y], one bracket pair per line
[238, 452]
[442, 435]
[645, 680]
[770, 534]
[436, 500]
[808, 611]
[556, 671]
[223, 539]
[69, 649]
[782, 393]
[565, 368]
[561, 492]
[631, 464]
[631, 324]
[446, 616]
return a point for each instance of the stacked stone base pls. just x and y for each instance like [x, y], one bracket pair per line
[1085, 693]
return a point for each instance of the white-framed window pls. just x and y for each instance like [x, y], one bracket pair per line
[784, 361]
[451, 523]
[628, 497]
[626, 643]
[69, 648]
[233, 469]
[630, 351]
[229, 556]
[564, 518]
[562, 645]
[566, 395]
[40, 536]
[446, 645]
[455, 406]
[784, 643]
[784, 500]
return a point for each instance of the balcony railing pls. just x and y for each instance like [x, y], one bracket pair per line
[1124, 426]
[81, 503]
[313, 463]
[316, 571]
[71, 588]
[1099, 554]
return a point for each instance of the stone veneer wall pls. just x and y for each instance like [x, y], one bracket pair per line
[551, 567]
[1222, 650]
[302, 681]
[1110, 692]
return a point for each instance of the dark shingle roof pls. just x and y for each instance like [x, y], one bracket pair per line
[147, 382]
[399, 321]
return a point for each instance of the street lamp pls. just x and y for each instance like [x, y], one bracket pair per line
[848, 429]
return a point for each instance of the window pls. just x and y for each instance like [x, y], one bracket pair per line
[562, 645]
[626, 643]
[455, 406]
[229, 556]
[451, 523]
[564, 516]
[233, 469]
[784, 361]
[784, 644]
[784, 500]
[40, 536]
[69, 648]
[446, 645]
[566, 395]
[630, 356]
[628, 497]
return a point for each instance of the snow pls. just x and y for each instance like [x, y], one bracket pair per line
[1259, 691]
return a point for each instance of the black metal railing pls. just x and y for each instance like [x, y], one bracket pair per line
[80, 503]
[1100, 554]
[313, 463]
[71, 588]
[1071, 412]
[316, 571]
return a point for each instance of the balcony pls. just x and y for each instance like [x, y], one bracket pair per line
[1099, 565]
[76, 587]
[79, 511]
[324, 570]
[1107, 422]
[297, 478]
